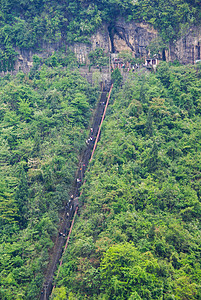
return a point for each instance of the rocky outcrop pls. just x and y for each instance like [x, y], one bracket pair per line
[100, 39]
[133, 36]
[187, 49]
[24, 60]
[122, 35]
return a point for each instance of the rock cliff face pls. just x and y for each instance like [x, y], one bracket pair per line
[100, 39]
[187, 48]
[122, 35]
[25, 58]
[132, 36]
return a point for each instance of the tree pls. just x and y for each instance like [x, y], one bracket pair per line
[60, 293]
[125, 272]
[116, 77]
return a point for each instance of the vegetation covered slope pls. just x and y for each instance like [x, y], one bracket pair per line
[29, 24]
[138, 236]
[44, 120]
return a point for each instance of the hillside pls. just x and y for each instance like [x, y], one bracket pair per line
[44, 123]
[137, 232]
[33, 25]
[138, 235]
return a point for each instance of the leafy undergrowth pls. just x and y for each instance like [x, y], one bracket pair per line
[44, 121]
[138, 234]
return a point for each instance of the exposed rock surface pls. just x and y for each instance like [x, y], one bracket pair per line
[187, 48]
[131, 36]
[100, 39]
[25, 59]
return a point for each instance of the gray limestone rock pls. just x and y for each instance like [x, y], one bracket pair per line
[130, 36]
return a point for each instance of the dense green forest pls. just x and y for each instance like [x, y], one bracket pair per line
[44, 121]
[31, 24]
[138, 234]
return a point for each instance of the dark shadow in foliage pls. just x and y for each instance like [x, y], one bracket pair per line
[163, 73]
[152, 161]
[149, 124]
[21, 198]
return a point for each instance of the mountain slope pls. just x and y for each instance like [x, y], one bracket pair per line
[44, 121]
[138, 236]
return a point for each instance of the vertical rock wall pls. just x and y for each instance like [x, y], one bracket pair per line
[133, 36]
[188, 48]
[100, 39]
[130, 36]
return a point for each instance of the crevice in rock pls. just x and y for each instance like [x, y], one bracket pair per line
[120, 31]
[198, 56]
[111, 36]
[163, 55]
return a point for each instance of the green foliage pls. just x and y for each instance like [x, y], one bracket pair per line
[127, 56]
[157, 46]
[44, 121]
[126, 272]
[98, 58]
[116, 77]
[21, 197]
[59, 294]
[138, 235]
[7, 58]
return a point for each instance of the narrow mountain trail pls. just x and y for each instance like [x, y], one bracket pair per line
[71, 206]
